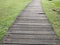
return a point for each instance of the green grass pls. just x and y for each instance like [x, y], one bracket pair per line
[9, 10]
[54, 16]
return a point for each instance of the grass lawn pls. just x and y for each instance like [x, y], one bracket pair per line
[52, 9]
[9, 10]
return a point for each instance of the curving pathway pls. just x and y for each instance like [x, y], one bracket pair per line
[31, 27]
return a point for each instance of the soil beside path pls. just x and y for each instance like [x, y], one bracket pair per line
[31, 27]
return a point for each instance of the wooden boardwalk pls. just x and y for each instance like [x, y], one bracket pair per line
[31, 27]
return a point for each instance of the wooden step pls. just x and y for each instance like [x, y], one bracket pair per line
[32, 14]
[31, 32]
[33, 23]
[32, 20]
[36, 37]
[29, 41]
[33, 17]
[31, 29]
[30, 26]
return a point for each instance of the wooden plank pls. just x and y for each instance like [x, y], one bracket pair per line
[30, 41]
[31, 18]
[31, 29]
[30, 26]
[35, 17]
[31, 15]
[33, 23]
[32, 32]
[38, 37]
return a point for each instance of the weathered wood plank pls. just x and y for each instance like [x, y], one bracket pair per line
[35, 17]
[33, 23]
[30, 26]
[30, 41]
[38, 37]
[32, 15]
[31, 29]
[31, 32]
[33, 20]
